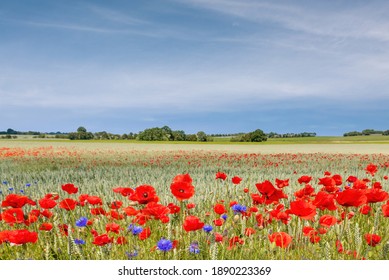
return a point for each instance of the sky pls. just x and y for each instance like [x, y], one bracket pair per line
[219, 66]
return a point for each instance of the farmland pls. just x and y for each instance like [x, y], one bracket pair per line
[83, 200]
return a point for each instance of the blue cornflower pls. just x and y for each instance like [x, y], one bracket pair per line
[136, 230]
[224, 216]
[131, 255]
[165, 244]
[28, 185]
[82, 222]
[237, 208]
[194, 247]
[207, 228]
[79, 241]
[10, 189]
[22, 191]
[5, 182]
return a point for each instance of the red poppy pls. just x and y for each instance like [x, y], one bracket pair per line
[112, 227]
[327, 220]
[13, 216]
[365, 209]
[174, 209]
[68, 204]
[385, 209]
[324, 200]
[97, 211]
[257, 199]
[144, 194]
[303, 209]
[307, 191]
[113, 214]
[155, 210]
[339, 246]
[130, 211]
[249, 231]
[192, 223]
[351, 197]
[282, 183]
[269, 192]
[307, 230]
[372, 239]
[182, 187]
[70, 188]
[94, 200]
[376, 195]
[16, 201]
[190, 206]
[46, 213]
[116, 204]
[221, 175]
[338, 179]
[124, 191]
[22, 236]
[371, 169]
[218, 237]
[219, 209]
[47, 203]
[281, 239]
[218, 222]
[236, 180]
[4, 236]
[351, 179]
[101, 240]
[46, 227]
[304, 179]
[121, 240]
[233, 241]
[314, 237]
[146, 232]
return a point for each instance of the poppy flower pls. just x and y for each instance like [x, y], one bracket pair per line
[46, 227]
[116, 204]
[324, 200]
[97, 211]
[376, 195]
[221, 175]
[47, 203]
[69, 188]
[94, 200]
[144, 194]
[174, 209]
[304, 179]
[68, 204]
[47, 214]
[372, 239]
[281, 239]
[218, 237]
[339, 246]
[307, 230]
[113, 214]
[112, 227]
[190, 206]
[327, 220]
[182, 187]
[124, 191]
[13, 216]
[218, 222]
[371, 169]
[155, 210]
[365, 209]
[233, 241]
[236, 180]
[282, 183]
[130, 211]
[192, 223]
[249, 231]
[121, 240]
[101, 240]
[351, 197]
[146, 232]
[22, 236]
[16, 201]
[385, 209]
[303, 209]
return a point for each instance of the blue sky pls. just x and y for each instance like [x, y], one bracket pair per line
[220, 66]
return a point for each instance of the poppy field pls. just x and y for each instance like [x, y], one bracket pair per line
[61, 202]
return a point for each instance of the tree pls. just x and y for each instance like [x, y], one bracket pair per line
[81, 129]
[201, 136]
[257, 136]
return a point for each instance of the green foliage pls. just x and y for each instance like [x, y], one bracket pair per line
[254, 136]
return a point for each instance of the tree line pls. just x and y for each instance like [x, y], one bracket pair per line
[366, 132]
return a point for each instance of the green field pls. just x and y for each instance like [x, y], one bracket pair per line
[37, 168]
